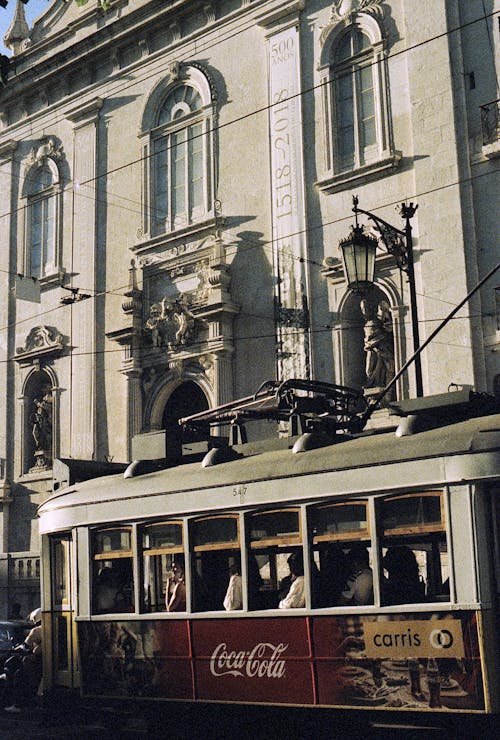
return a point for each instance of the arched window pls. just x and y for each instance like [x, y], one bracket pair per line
[41, 251]
[182, 169]
[355, 99]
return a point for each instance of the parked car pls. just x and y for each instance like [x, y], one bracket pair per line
[12, 633]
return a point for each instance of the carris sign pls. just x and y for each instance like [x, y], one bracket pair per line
[262, 661]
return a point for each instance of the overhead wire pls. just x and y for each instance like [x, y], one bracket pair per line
[268, 106]
[260, 243]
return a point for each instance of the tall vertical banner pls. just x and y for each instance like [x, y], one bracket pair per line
[288, 206]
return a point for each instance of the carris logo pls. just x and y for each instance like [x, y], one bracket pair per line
[263, 660]
[441, 639]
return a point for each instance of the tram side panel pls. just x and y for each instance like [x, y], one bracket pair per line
[412, 661]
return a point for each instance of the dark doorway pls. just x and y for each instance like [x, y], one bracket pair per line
[186, 399]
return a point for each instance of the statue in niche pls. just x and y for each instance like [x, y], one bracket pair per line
[378, 344]
[41, 428]
[170, 323]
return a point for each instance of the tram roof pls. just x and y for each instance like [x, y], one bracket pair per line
[472, 436]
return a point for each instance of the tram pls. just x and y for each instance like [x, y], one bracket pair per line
[230, 576]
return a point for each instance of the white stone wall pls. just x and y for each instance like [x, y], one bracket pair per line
[87, 85]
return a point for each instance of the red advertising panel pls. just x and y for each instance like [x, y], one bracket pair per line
[254, 660]
[413, 661]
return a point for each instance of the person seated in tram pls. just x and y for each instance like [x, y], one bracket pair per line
[233, 599]
[358, 588]
[175, 597]
[403, 584]
[332, 576]
[106, 589]
[296, 594]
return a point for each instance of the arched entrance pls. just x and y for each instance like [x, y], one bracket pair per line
[186, 399]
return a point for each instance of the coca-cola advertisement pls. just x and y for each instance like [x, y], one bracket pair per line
[412, 661]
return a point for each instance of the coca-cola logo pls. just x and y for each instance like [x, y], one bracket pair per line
[262, 661]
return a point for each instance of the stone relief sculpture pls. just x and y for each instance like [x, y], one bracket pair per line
[170, 323]
[41, 338]
[41, 427]
[344, 9]
[378, 344]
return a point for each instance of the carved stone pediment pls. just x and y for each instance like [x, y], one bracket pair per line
[41, 341]
[344, 9]
[170, 323]
[47, 148]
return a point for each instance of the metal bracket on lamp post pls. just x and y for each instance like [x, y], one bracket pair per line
[399, 244]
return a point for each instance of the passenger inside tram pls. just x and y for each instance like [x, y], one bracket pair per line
[403, 584]
[175, 597]
[233, 600]
[332, 575]
[358, 588]
[295, 598]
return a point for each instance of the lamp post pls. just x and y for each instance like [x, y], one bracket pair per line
[358, 254]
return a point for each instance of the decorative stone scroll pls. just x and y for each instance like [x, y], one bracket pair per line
[47, 148]
[41, 340]
[344, 9]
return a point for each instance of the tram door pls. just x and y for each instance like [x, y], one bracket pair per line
[63, 628]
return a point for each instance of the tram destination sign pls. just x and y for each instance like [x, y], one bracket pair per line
[415, 638]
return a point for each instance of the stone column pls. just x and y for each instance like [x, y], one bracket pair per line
[7, 266]
[85, 117]
[287, 193]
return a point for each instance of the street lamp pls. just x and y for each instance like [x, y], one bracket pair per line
[358, 254]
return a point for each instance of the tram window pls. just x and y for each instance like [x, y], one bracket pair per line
[215, 563]
[162, 555]
[112, 574]
[414, 549]
[275, 560]
[341, 548]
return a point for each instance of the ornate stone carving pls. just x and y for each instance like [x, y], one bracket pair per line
[176, 368]
[202, 270]
[209, 11]
[174, 69]
[170, 323]
[41, 427]
[175, 31]
[149, 379]
[207, 363]
[41, 340]
[144, 46]
[344, 9]
[46, 148]
[378, 344]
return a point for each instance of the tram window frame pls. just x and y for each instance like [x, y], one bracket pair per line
[220, 557]
[272, 595]
[330, 586]
[160, 569]
[114, 588]
[428, 538]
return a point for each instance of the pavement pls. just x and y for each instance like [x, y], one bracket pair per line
[39, 722]
[64, 721]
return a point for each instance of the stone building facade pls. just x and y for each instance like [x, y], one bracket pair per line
[175, 180]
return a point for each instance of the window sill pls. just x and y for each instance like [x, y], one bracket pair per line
[343, 180]
[35, 475]
[492, 150]
[147, 243]
[55, 278]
